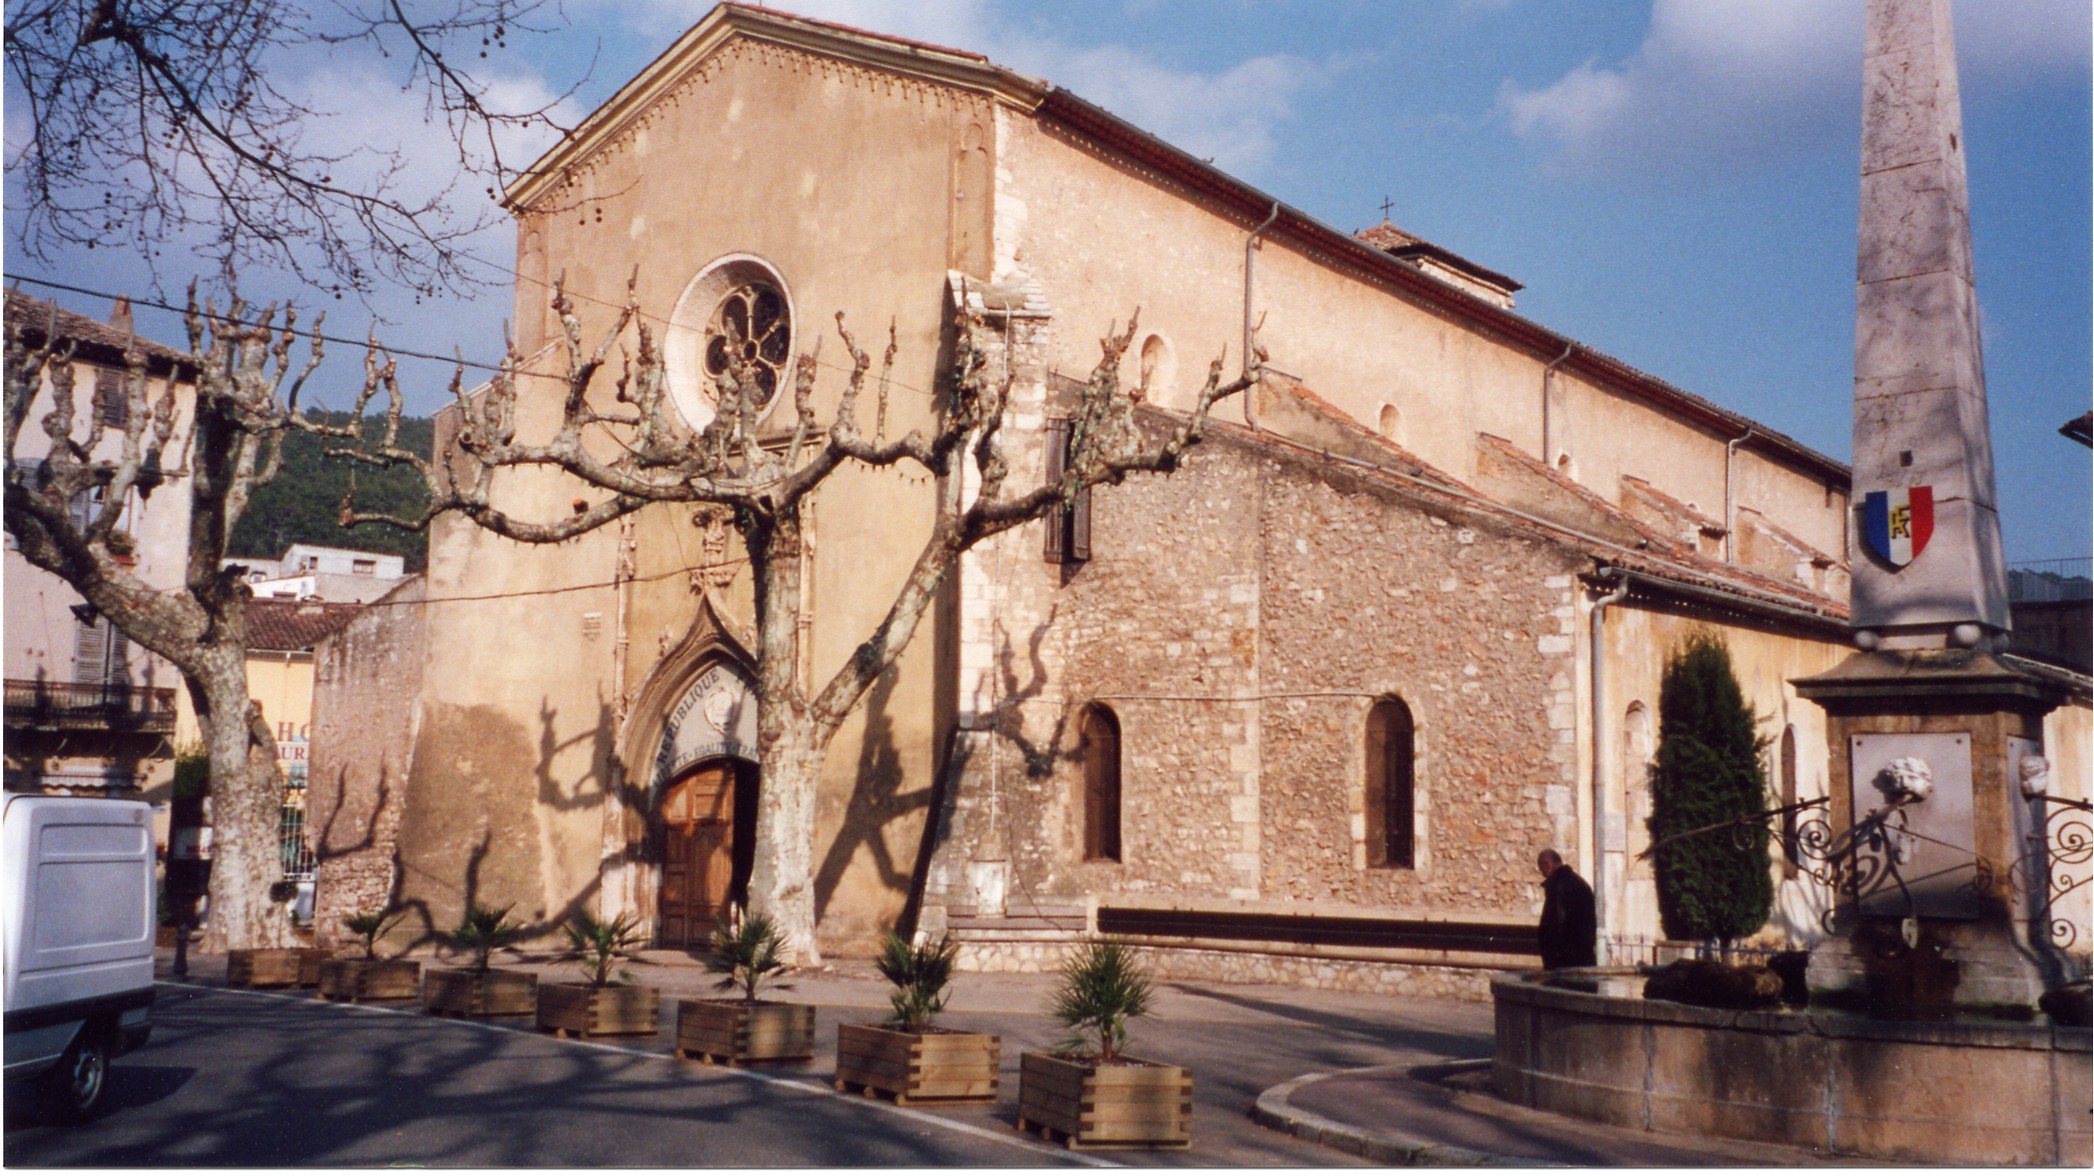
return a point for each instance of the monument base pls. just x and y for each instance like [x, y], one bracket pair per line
[1953, 966]
[1934, 914]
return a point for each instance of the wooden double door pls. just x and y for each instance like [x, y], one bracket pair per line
[708, 824]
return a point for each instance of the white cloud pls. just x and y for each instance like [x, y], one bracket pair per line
[1726, 82]
[1230, 113]
[1230, 116]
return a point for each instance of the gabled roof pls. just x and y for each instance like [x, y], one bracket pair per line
[291, 626]
[96, 341]
[971, 71]
[1399, 244]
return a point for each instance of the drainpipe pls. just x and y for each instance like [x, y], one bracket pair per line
[1730, 503]
[1250, 271]
[1602, 746]
[1547, 374]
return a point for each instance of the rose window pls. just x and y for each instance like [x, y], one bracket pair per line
[752, 327]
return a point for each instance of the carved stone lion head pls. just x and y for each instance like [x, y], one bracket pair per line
[1905, 779]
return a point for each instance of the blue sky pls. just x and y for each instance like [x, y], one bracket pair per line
[1674, 182]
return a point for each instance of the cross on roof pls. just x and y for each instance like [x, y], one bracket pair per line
[1386, 204]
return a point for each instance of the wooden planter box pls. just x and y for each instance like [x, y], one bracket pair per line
[274, 967]
[732, 1032]
[1145, 1104]
[460, 992]
[951, 1067]
[361, 980]
[577, 1010]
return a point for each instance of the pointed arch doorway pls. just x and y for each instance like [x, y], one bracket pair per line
[707, 822]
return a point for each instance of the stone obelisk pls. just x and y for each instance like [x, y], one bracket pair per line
[1929, 570]
[1928, 728]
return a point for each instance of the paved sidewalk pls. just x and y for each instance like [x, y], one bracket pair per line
[1357, 1078]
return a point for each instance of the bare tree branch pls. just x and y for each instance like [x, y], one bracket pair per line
[150, 124]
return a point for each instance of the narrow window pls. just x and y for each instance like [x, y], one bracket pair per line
[1790, 851]
[1069, 524]
[1391, 793]
[1101, 784]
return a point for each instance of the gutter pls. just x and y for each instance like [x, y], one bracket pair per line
[1602, 759]
[1730, 497]
[1548, 375]
[1250, 274]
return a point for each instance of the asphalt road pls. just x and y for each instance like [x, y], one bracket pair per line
[239, 1079]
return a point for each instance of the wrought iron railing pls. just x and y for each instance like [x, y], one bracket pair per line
[1865, 865]
[2054, 867]
[80, 705]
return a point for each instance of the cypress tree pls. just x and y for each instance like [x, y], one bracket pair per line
[1713, 885]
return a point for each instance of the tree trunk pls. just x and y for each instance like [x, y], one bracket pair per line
[781, 881]
[247, 798]
[791, 741]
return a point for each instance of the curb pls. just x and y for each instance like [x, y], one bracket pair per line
[1275, 1109]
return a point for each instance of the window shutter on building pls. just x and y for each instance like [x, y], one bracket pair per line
[1069, 524]
[1079, 511]
[101, 653]
[112, 399]
[1057, 455]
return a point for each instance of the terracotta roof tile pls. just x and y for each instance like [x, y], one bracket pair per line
[293, 626]
[98, 340]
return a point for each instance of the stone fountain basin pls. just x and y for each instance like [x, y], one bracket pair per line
[1941, 1092]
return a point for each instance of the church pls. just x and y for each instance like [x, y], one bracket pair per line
[1304, 710]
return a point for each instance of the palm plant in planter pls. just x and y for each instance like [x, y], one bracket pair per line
[1088, 1091]
[370, 978]
[748, 953]
[481, 990]
[911, 1057]
[607, 1002]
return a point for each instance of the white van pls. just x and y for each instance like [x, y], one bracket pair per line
[76, 917]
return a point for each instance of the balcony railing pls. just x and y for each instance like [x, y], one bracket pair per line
[80, 706]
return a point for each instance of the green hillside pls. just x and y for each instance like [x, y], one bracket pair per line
[300, 505]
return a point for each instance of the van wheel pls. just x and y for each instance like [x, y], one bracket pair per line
[73, 1091]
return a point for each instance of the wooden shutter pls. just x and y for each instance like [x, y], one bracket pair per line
[112, 398]
[1080, 526]
[90, 651]
[1057, 522]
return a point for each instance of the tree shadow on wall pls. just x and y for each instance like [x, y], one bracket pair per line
[876, 800]
[1038, 757]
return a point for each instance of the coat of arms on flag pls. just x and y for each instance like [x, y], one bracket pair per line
[1898, 522]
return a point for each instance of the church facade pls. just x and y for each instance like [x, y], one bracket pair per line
[1305, 709]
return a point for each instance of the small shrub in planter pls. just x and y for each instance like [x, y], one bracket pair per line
[1713, 985]
[1089, 1092]
[274, 967]
[607, 1002]
[910, 1057]
[480, 990]
[370, 978]
[747, 954]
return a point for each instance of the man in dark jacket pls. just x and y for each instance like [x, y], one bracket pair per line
[1569, 924]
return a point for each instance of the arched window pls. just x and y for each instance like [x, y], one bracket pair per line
[1392, 809]
[1100, 748]
[1637, 742]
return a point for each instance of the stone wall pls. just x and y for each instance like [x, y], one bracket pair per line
[1240, 616]
[366, 712]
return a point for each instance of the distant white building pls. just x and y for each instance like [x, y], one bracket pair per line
[336, 574]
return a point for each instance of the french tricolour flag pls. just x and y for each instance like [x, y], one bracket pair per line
[1898, 522]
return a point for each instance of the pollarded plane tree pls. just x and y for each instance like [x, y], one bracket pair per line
[766, 482]
[66, 510]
